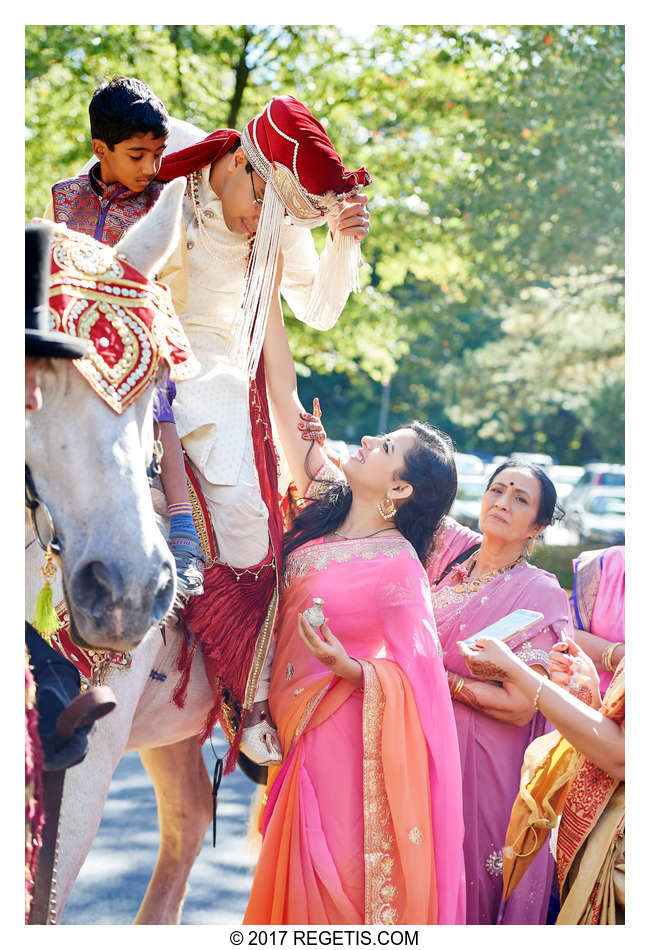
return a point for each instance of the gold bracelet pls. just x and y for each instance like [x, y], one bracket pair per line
[606, 659]
[536, 700]
[459, 686]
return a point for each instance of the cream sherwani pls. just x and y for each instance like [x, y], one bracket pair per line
[206, 276]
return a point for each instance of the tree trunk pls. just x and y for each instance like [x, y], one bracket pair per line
[175, 37]
[242, 73]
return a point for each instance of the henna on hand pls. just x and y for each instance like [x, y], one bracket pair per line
[583, 693]
[469, 698]
[485, 669]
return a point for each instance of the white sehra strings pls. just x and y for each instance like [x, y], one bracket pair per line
[252, 317]
[338, 276]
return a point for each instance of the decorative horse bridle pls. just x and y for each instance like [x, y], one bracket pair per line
[33, 502]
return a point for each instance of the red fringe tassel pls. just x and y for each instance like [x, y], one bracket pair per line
[226, 620]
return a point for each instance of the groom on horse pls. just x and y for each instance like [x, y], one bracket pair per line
[251, 196]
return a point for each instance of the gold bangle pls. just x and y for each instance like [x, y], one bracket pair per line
[459, 686]
[606, 659]
[536, 700]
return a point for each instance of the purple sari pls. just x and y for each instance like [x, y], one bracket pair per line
[492, 751]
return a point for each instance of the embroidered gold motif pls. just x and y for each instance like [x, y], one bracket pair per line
[297, 692]
[76, 252]
[415, 835]
[309, 709]
[318, 556]
[290, 671]
[379, 834]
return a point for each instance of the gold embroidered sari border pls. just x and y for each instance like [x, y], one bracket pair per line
[378, 831]
[309, 711]
[316, 557]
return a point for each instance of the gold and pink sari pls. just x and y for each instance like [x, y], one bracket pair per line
[363, 820]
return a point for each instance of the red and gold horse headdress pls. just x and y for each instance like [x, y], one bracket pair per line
[127, 319]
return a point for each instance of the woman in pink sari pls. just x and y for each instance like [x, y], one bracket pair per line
[495, 721]
[363, 822]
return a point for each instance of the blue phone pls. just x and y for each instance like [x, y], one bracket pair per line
[509, 626]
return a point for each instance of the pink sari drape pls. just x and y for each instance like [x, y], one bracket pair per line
[598, 598]
[492, 751]
[363, 822]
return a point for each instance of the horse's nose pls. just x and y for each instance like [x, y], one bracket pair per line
[96, 586]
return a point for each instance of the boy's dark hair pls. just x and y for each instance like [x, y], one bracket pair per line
[124, 107]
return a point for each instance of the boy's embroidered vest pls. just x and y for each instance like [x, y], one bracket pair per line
[106, 218]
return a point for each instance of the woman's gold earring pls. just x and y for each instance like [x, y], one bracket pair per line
[387, 509]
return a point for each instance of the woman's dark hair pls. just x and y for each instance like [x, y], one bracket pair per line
[548, 510]
[430, 469]
[124, 107]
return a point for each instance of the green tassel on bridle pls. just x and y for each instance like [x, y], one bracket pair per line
[45, 618]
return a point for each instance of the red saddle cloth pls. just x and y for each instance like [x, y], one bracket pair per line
[233, 619]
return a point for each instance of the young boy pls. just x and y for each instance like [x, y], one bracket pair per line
[129, 127]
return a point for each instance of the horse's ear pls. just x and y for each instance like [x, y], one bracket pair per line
[148, 244]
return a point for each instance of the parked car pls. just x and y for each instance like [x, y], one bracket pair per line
[599, 516]
[565, 477]
[467, 504]
[595, 474]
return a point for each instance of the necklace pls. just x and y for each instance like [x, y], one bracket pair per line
[467, 586]
[345, 538]
[210, 244]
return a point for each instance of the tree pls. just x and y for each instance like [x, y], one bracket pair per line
[497, 157]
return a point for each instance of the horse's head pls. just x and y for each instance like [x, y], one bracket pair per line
[89, 456]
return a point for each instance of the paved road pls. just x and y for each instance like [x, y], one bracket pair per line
[115, 876]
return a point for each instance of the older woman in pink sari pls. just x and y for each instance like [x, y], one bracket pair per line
[363, 822]
[495, 721]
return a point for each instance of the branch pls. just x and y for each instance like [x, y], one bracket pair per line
[242, 72]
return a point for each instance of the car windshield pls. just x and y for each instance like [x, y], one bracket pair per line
[607, 505]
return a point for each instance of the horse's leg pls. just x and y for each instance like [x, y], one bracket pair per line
[184, 797]
[86, 785]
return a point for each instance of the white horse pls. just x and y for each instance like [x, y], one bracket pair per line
[89, 467]
[146, 719]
